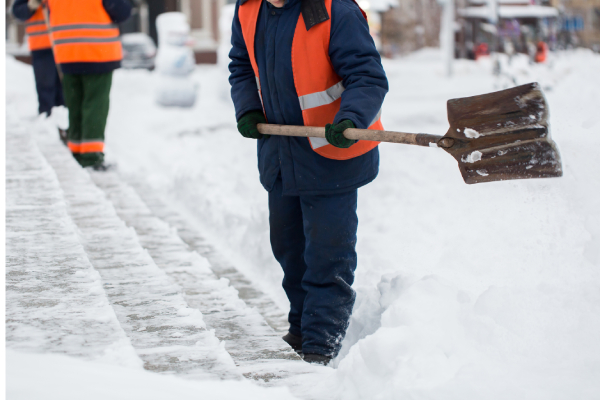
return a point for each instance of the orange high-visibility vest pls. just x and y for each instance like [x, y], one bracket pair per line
[318, 87]
[38, 36]
[83, 32]
[541, 52]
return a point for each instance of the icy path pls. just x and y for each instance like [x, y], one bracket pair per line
[220, 265]
[167, 334]
[55, 300]
[257, 350]
[169, 310]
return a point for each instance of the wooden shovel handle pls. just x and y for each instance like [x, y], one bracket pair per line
[418, 139]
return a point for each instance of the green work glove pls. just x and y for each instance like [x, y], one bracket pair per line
[247, 124]
[334, 133]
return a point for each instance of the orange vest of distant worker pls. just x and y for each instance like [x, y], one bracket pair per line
[318, 87]
[541, 52]
[37, 32]
[83, 32]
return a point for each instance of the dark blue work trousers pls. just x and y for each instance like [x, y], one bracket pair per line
[47, 82]
[314, 240]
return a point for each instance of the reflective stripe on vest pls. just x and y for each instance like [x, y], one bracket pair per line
[86, 40]
[83, 32]
[86, 146]
[325, 97]
[37, 32]
[318, 87]
[84, 26]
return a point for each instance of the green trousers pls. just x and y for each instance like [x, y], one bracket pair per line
[87, 98]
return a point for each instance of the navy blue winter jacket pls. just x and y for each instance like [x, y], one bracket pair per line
[21, 11]
[354, 58]
[117, 10]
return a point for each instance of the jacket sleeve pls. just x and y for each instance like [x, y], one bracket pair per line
[117, 10]
[356, 60]
[244, 91]
[21, 11]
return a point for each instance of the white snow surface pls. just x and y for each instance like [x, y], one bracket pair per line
[528, 11]
[473, 157]
[487, 291]
[53, 376]
[472, 133]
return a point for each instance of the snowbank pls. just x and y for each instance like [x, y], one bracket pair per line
[486, 291]
[52, 376]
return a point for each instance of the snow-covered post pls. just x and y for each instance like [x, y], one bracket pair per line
[447, 34]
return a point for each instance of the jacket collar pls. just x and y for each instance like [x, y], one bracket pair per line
[313, 11]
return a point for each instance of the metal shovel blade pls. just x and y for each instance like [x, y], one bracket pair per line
[502, 135]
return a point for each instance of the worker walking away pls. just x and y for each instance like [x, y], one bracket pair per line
[312, 63]
[88, 49]
[47, 81]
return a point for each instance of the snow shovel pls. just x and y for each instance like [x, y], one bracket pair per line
[494, 137]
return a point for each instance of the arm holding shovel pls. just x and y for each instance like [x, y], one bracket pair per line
[364, 81]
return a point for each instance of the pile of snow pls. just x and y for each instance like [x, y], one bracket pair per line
[136, 38]
[481, 291]
[53, 376]
[488, 291]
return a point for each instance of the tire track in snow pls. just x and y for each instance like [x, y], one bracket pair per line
[257, 350]
[54, 297]
[167, 334]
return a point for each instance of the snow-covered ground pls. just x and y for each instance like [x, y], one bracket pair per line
[488, 291]
[57, 377]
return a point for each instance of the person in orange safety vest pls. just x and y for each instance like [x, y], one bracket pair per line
[541, 53]
[313, 63]
[47, 81]
[87, 47]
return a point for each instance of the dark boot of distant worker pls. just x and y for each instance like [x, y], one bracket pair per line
[87, 97]
[103, 167]
[294, 341]
[317, 359]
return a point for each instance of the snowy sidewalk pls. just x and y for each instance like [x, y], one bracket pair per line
[255, 347]
[55, 300]
[118, 281]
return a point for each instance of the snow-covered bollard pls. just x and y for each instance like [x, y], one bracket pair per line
[174, 62]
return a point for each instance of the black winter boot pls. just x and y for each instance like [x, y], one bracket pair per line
[102, 167]
[317, 359]
[294, 341]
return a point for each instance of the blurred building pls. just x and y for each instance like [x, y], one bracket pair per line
[505, 25]
[407, 25]
[580, 23]
[203, 16]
